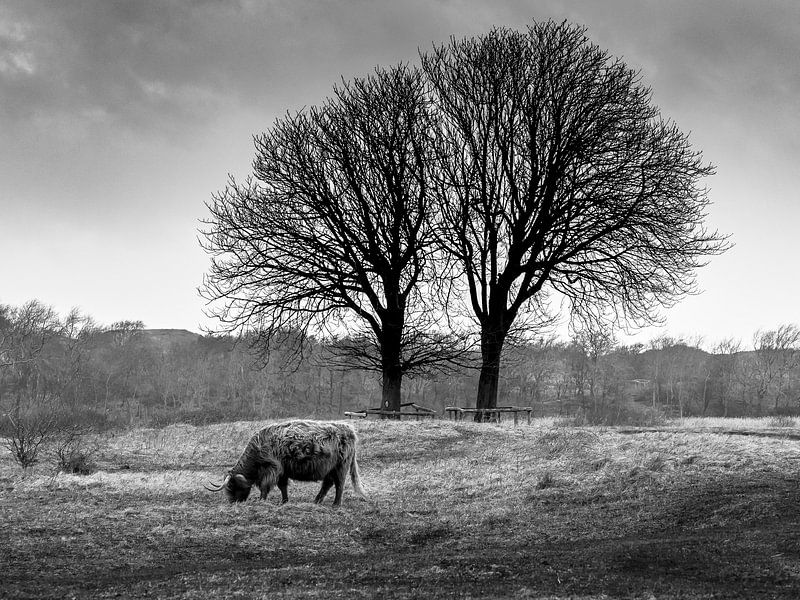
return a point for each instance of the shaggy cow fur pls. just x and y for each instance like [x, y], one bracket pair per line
[300, 450]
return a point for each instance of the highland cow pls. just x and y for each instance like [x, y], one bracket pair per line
[299, 450]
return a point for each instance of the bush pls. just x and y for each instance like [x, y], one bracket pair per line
[29, 429]
[73, 453]
[25, 434]
[781, 421]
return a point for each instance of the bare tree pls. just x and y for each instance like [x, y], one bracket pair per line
[560, 178]
[25, 331]
[333, 236]
[42, 368]
[777, 354]
[658, 366]
[725, 367]
[535, 367]
[125, 332]
[596, 341]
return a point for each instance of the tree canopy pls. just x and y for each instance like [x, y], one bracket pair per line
[333, 234]
[560, 178]
[514, 169]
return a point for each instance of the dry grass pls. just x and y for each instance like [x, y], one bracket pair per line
[752, 423]
[456, 511]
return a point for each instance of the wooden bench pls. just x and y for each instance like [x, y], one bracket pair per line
[418, 412]
[457, 413]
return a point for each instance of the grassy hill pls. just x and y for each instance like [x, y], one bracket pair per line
[707, 509]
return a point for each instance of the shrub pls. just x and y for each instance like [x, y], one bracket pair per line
[781, 421]
[73, 453]
[29, 429]
[26, 432]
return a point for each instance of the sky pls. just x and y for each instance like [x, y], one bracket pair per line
[120, 119]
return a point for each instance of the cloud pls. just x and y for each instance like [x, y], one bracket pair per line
[161, 65]
[134, 62]
[731, 62]
[167, 69]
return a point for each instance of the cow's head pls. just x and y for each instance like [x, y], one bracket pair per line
[236, 487]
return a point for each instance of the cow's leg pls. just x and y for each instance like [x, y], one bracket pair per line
[283, 486]
[265, 488]
[338, 480]
[327, 483]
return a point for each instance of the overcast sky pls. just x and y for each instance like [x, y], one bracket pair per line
[119, 119]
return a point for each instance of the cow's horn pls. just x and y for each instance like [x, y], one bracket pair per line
[214, 487]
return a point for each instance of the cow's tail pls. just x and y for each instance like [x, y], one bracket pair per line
[355, 477]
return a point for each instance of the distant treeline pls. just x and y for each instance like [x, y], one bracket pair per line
[125, 374]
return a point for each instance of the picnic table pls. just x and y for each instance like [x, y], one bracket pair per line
[407, 409]
[457, 413]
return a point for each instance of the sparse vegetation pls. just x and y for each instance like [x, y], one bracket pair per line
[26, 433]
[74, 452]
[782, 421]
[683, 510]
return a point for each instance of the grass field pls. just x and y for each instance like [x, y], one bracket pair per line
[702, 509]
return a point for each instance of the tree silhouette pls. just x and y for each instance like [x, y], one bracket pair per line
[560, 179]
[333, 235]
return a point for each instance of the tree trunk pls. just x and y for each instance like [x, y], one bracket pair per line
[390, 392]
[392, 365]
[706, 399]
[488, 382]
